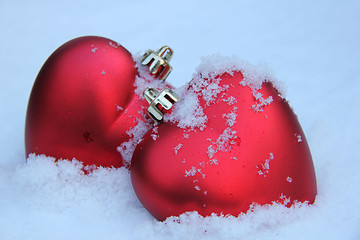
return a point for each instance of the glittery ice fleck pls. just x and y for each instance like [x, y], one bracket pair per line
[261, 102]
[119, 108]
[264, 168]
[285, 199]
[193, 171]
[231, 117]
[214, 161]
[114, 44]
[299, 138]
[177, 148]
[155, 133]
[230, 101]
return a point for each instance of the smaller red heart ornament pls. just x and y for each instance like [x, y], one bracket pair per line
[232, 140]
[83, 103]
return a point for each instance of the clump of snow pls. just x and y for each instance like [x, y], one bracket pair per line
[212, 67]
[230, 100]
[187, 112]
[155, 133]
[193, 171]
[206, 85]
[264, 168]
[231, 117]
[93, 50]
[114, 44]
[261, 102]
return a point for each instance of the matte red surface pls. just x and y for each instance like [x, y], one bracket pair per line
[83, 102]
[241, 176]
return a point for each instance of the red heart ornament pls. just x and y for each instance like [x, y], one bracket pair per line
[247, 147]
[83, 103]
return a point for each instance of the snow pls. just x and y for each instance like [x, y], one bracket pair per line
[312, 47]
[126, 149]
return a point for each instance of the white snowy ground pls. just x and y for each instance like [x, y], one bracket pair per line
[312, 46]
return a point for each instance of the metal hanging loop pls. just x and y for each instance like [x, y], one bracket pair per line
[158, 61]
[159, 102]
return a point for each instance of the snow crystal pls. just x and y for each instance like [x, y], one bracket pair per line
[231, 100]
[289, 179]
[155, 133]
[285, 199]
[211, 151]
[94, 49]
[226, 140]
[193, 171]
[231, 117]
[186, 135]
[103, 72]
[177, 148]
[214, 161]
[265, 167]
[114, 44]
[262, 102]
[119, 108]
[299, 138]
[223, 143]
[190, 172]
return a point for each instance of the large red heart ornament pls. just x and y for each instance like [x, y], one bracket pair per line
[83, 103]
[232, 140]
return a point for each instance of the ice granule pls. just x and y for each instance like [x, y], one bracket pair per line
[177, 148]
[264, 168]
[262, 102]
[155, 133]
[190, 172]
[193, 171]
[230, 101]
[299, 138]
[231, 117]
[214, 161]
[114, 44]
[289, 179]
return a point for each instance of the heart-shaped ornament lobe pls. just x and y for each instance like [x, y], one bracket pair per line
[83, 103]
[231, 141]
